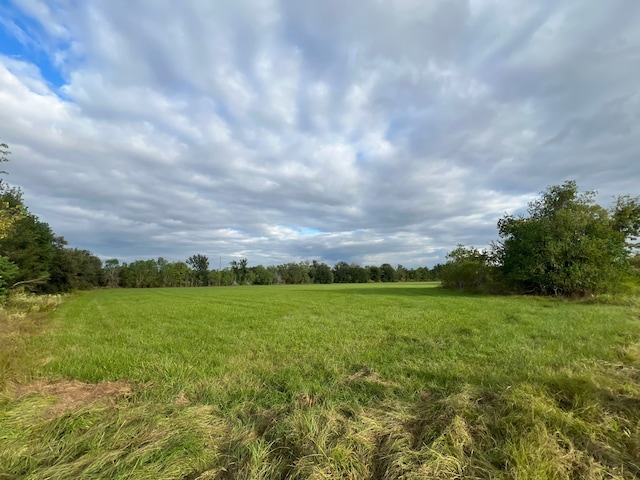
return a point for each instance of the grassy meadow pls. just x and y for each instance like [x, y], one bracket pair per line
[377, 381]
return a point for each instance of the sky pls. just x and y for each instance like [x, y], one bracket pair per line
[291, 130]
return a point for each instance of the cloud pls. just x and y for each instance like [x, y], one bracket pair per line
[285, 131]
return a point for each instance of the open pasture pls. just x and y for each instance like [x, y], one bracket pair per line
[378, 381]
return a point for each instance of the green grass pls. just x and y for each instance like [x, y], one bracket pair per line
[375, 381]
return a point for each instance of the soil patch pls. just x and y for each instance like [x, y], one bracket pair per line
[73, 394]
[369, 376]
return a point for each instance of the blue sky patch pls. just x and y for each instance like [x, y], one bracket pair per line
[22, 38]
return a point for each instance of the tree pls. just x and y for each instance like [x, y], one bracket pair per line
[73, 269]
[178, 274]
[342, 273]
[234, 269]
[8, 273]
[375, 274]
[387, 273]
[4, 154]
[295, 273]
[467, 268]
[262, 276]
[358, 274]
[31, 245]
[320, 273]
[11, 205]
[112, 272]
[200, 265]
[242, 270]
[625, 218]
[164, 272]
[139, 274]
[567, 245]
[634, 264]
[11, 210]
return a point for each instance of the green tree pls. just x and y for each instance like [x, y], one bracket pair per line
[234, 270]
[375, 274]
[296, 273]
[8, 273]
[139, 274]
[73, 269]
[112, 272]
[387, 273]
[164, 272]
[467, 268]
[31, 245]
[342, 272]
[401, 273]
[568, 245]
[242, 270]
[200, 265]
[262, 276]
[179, 274]
[358, 274]
[320, 273]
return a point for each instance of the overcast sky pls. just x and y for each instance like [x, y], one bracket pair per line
[289, 130]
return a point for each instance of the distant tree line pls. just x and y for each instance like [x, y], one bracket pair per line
[565, 245]
[194, 272]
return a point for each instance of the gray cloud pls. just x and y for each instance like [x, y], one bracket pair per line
[284, 130]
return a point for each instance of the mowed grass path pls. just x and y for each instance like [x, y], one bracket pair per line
[340, 381]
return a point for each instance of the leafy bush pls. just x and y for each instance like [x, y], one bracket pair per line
[566, 245]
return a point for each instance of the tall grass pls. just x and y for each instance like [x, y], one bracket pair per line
[374, 381]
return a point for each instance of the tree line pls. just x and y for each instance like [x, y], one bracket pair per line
[195, 272]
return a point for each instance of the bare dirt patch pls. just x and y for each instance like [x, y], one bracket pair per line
[73, 394]
[365, 374]
[182, 400]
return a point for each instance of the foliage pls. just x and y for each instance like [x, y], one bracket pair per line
[200, 265]
[568, 244]
[8, 273]
[345, 273]
[467, 269]
[31, 245]
[262, 276]
[294, 273]
[565, 245]
[4, 154]
[11, 205]
[162, 273]
[11, 208]
[387, 273]
[375, 274]
[625, 218]
[320, 273]
[74, 269]
[111, 271]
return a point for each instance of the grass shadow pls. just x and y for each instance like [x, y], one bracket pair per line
[414, 291]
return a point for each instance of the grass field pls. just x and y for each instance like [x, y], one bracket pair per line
[381, 381]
